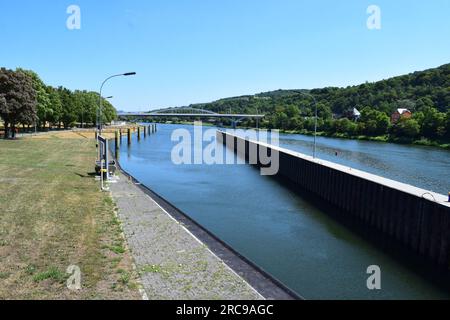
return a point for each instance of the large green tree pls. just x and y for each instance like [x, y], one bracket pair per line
[56, 105]
[17, 100]
[69, 114]
[44, 106]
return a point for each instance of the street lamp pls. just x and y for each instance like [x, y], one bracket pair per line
[99, 119]
[315, 121]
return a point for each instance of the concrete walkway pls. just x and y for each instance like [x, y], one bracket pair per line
[172, 262]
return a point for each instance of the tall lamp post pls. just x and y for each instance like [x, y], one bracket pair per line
[99, 121]
[315, 120]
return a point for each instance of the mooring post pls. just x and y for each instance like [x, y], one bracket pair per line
[116, 138]
[139, 133]
[148, 129]
[145, 132]
[129, 136]
[120, 134]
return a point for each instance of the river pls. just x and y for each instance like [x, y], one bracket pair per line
[280, 231]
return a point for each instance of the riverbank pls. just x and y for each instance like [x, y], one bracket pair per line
[54, 216]
[383, 138]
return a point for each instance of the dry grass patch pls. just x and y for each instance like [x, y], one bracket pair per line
[52, 215]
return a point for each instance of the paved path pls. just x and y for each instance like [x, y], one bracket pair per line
[173, 264]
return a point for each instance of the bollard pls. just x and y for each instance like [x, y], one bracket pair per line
[120, 134]
[148, 129]
[129, 136]
[139, 133]
[145, 132]
[116, 138]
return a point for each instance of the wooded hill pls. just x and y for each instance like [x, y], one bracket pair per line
[425, 93]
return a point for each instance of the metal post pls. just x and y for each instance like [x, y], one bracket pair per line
[117, 144]
[106, 160]
[139, 133]
[315, 130]
[145, 132]
[129, 136]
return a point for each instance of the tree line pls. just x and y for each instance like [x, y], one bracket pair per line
[25, 100]
[426, 94]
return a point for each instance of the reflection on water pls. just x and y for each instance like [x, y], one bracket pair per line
[281, 232]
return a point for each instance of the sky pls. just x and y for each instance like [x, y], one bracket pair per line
[191, 51]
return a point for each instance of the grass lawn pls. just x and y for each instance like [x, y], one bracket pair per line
[52, 216]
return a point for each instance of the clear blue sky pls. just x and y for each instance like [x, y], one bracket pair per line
[188, 51]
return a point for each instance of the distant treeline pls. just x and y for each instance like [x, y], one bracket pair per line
[26, 100]
[426, 94]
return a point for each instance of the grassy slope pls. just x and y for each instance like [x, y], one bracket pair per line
[53, 215]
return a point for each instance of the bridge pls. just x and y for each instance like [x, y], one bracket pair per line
[189, 113]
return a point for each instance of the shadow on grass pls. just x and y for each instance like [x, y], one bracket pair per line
[88, 175]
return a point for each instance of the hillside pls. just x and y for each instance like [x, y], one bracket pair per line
[425, 93]
[423, 88]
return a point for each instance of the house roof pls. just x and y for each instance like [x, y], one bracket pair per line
[402, 111]
[356, 112]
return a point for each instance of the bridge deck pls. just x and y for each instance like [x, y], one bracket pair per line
[185, 115]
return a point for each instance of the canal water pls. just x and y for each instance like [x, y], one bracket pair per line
[284, 234]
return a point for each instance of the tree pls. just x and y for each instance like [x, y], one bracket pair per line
[433, 123]
[345, 125]
[373, 122]
[44, 107]
[55, 102]
[447, 123]
[17, 100]
[324, 111]
[108, 112]
[409, 128]
[69, 114]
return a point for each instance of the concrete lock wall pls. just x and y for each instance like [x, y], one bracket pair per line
[416, 218]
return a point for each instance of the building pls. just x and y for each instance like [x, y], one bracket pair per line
[356, 114]
[399, 114]
[352, 114]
